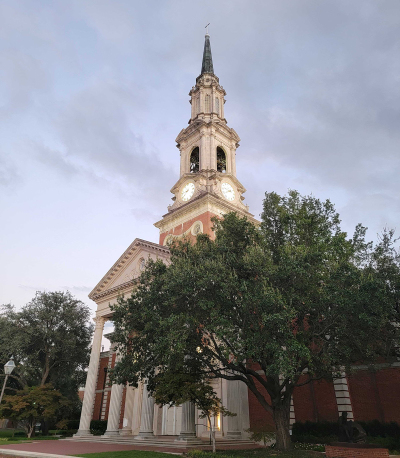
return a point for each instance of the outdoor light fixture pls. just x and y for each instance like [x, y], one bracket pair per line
[8, 368]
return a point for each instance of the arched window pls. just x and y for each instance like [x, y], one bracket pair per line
[195, 160]
[221, 160]
[207, 107]
[217, 105]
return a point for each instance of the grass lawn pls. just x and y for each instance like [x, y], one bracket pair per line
[19, 440]
[127, 454]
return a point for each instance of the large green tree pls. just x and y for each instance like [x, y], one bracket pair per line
[50, 341]
[264, 305]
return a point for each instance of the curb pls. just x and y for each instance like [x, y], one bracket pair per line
[8, 451]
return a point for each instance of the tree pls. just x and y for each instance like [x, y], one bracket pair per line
[33, 404]
[50, 341]
[264, 305]
[179, 385]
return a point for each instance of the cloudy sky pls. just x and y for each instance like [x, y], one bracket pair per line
[93, 94]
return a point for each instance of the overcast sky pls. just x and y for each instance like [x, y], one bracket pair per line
[93, 94]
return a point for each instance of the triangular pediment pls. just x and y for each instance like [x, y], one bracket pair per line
[128, 267]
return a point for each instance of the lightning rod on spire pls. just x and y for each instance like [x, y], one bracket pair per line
[206, 27]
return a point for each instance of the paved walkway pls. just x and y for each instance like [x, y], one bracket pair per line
[77, 448]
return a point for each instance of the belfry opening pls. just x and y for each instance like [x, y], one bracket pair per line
[195, 160]
[221, 160]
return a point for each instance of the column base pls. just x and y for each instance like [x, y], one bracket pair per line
[144, 435]
[83, 433]
[111, 433]
[125, 432]
[188, 438]
[234, 435]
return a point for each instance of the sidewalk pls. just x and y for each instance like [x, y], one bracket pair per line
[56, 449]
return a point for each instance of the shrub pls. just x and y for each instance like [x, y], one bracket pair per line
[265, 435]
[204, 454]
[320, 429]
[375, 428]
[63, 432]
[72, 424]
[98, 427]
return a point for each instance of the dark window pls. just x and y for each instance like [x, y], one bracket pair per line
[221, 160]
[194, 160]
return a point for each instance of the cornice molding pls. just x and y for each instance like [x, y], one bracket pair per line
[127, 255]
[192, 209]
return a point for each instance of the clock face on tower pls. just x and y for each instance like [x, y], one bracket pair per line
[228, 191]
[187, 192]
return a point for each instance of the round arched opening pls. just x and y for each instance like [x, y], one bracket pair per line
[221, 160]
[195, 160]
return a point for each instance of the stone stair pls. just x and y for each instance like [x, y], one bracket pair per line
[161, 442]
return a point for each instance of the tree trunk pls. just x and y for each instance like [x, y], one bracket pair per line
[45, 427]
[30, 429]
[214, 447]
[281, 414]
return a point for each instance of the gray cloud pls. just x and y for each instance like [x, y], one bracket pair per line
[9, 176]
[93, 94]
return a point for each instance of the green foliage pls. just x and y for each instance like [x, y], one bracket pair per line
[50, 341]
[292, 295]
[63, 432]
[376, 428]
[316, 429]
[391, 443]
[319, 430]
[72, 424]
[261, 435]
[33, 404]
[98, 427]
[11, 433]
[252, 453]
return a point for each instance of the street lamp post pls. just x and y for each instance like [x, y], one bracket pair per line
[8, 368]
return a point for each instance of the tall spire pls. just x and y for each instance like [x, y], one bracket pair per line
[207, 65]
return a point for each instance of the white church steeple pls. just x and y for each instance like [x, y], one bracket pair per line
[207, 148]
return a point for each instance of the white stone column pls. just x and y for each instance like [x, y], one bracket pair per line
[233, 405]
[128, 412]
[114, 412]
[342, 394]
[147, 417]
[188, 423]
[91, 379]
[203, 152]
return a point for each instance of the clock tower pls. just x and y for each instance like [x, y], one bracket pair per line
[207, 186]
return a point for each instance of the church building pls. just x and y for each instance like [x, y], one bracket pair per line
[208, 187]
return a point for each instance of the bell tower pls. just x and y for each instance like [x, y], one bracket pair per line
[207, 186]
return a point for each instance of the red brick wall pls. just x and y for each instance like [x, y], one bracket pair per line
[205, 218]
[102, 374]
[304, 405]
[325, 400]
[375, 395]
[259, 417]
[315, 401]
[99, 387]
[333, 451]
[97, 407]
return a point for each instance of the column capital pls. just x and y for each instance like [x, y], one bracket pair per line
[99, 321]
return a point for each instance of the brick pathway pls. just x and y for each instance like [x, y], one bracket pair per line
[80, 447]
